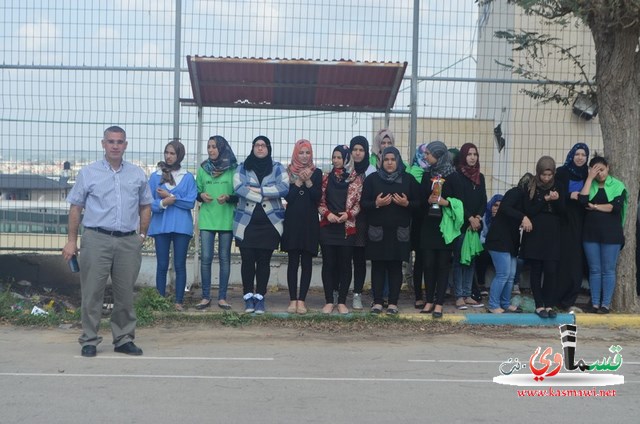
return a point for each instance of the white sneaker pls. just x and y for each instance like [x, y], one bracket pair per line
[357, 301]
[515, 289]
[460, 304]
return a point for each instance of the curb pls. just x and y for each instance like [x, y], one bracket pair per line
[610, 320]
[516, 320]
[532, 320]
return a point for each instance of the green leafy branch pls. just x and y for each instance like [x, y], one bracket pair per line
[536, 49]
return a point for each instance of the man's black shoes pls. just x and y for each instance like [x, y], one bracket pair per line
[128, 348]
[88, 351]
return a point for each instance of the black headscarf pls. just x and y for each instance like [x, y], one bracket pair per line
[360, 167]
[395, 176]
[262, 167]
[525, 180]
[167, 169]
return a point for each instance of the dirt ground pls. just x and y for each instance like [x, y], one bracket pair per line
[192, 323]
[396, 332]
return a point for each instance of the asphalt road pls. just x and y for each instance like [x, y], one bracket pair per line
[275, 375]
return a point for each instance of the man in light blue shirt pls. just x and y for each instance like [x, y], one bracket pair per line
[116, 200]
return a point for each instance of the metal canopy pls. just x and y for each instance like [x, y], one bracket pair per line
[295, 84]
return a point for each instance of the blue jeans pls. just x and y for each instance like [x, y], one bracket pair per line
[602, 259]
[207, 240]
[462, 274]
[502, 284]
[180, 246]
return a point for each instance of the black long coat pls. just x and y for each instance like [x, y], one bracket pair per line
[301, 222]
[389, 226]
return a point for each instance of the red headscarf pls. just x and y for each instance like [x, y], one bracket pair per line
[296, 166]
[471, 172]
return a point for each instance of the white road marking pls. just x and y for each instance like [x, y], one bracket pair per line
[455, 361]
[173, 358]
[254, 378]
[214, 377]
[465, 361]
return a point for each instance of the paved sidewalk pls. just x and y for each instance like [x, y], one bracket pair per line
[277, 301]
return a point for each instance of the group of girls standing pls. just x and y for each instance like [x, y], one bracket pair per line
[375, 207]
[244, 201]
[174, 192]
[447, 228]
[551, 219]
[362, 209]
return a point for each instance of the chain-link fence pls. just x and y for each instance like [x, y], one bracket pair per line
[70, 69]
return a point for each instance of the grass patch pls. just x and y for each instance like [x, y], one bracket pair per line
[234, 319]
[17, 310]
[147, 305]
[153, 310]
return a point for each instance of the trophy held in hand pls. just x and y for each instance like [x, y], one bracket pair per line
[436, 189]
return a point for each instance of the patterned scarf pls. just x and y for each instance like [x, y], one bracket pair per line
[226, 159]
[354, 191]
[166, 169]
[339, 177]
[443, 167]
[418, 159]
[577, 172]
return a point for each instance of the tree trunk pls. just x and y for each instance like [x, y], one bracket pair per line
[618, 79]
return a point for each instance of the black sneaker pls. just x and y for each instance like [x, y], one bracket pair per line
[603, 310]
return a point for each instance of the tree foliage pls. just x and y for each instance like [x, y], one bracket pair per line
[538, 48]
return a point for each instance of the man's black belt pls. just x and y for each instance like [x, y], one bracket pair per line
[111, 233]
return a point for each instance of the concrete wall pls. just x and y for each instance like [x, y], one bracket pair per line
[51, 271]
